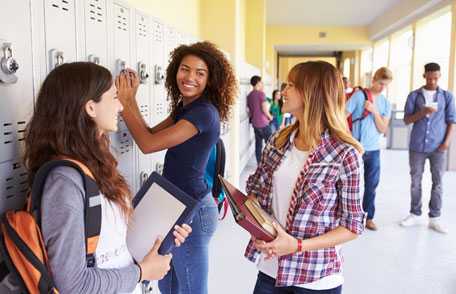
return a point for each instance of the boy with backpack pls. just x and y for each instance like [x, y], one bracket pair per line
[371, 112]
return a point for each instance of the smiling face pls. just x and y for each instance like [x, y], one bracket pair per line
[105, 113]
[192, 77]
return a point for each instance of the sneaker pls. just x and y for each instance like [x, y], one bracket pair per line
[411, 220]
[436, 225]
[370, 225]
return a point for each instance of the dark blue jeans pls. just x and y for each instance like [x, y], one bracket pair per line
[371, 161]
[189, 265]
[266, 285]
[260, 135]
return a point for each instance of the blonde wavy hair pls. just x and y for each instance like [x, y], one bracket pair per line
[320, 85]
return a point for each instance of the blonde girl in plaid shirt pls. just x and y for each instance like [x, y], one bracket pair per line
[325, 209]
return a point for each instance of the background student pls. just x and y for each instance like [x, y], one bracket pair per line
[368, 129]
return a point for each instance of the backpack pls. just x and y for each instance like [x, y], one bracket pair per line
[25, 262]
[368, 97]
[216, 166]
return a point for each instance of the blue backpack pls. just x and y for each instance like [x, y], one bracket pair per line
[216, 166]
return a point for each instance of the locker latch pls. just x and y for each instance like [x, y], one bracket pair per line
[9, 65]
[159, 76]
[56, 58]
[143, 176]
[94, 59]
[120, 66]
[142, 71]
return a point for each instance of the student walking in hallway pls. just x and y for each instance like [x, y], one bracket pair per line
[371, 113]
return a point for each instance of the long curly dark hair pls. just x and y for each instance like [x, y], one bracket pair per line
[60, 126]
[221, 87]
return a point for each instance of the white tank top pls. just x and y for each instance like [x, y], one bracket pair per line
[112, 251]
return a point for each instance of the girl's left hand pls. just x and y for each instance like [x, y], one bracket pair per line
[181, 233]
[283, 244]
[127, 83]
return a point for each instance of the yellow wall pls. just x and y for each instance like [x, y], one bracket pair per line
[184, 15]
[255, 38]
[287, 63]
[302, 35]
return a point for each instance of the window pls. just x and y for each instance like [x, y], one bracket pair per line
[366, 67]
[433, 37]
[381, 51]
[347, 68]
[401, 66]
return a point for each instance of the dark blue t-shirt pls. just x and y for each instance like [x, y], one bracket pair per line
[185, 164]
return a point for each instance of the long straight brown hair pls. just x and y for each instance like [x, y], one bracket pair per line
[60, 126]
[320, 85]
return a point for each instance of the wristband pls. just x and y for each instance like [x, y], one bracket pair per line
[299, 245]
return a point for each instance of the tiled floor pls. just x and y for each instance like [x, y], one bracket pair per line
[391, 260]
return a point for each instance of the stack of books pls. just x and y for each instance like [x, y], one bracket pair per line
[248, 213]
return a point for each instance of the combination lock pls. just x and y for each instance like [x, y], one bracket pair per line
[8, 65]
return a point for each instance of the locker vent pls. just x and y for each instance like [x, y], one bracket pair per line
[62, 4]
[142, 27]
[96, 11]
[158, 32]
[144, 111]
[11, 133]
[15, 184]
[122, 22]
[125, 143]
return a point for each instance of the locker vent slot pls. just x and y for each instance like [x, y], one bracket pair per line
[142, 28]
[158, 32]
[121, 20]
[96, 11]
[15, 184]
[10, 134]
[62, 4]
[125, 143]
[144, 111]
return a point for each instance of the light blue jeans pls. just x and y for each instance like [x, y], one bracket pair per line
[189, 266]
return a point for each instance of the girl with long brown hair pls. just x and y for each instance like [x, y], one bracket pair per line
[76, 108]
[202, 87]
[308, 179]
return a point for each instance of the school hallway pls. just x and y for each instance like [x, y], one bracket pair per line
[391, 260]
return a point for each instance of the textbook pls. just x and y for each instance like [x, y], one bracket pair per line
[158, 207]
[248, 213]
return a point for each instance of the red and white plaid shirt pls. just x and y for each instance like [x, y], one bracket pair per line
[326, 195]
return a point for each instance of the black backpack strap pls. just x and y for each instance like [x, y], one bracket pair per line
[92, 203]
[220, 158]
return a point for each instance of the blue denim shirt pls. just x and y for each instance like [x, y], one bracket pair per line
[429, 132]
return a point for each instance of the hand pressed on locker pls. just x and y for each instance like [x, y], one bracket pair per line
[127, 83]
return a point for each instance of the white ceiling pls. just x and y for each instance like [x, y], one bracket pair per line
[325, 12]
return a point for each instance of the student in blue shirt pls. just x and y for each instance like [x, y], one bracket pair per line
[202, 87]
[368, 130]
[431, 110]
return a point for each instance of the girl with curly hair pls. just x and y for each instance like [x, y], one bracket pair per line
[202, 87]
[76, 109]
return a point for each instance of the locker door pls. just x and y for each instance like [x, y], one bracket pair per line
[60, 32]
[94, 37]
[159, 61]
[16, 97]
[122, 142]
[143, 67]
